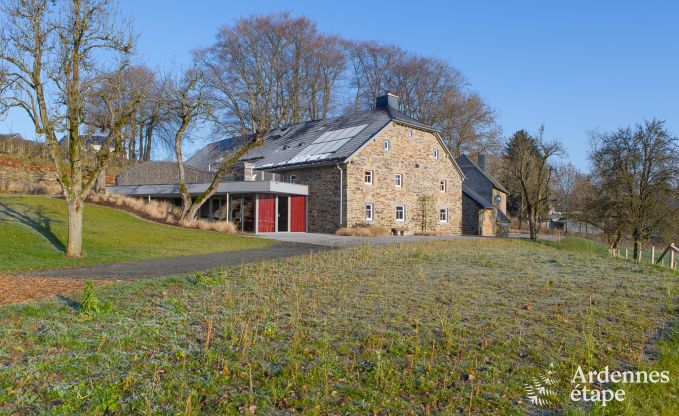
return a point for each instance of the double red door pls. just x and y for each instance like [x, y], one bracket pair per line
[298, 213]
[266, 213]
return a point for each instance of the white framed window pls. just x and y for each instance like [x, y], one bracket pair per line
[400, 212]
[369, 211]
[292, 178]
[436, 153]
[387, 145]
[368, 177]
[398, 180]
[443, 215]
[442, 186]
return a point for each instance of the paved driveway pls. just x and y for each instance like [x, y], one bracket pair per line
[180, 265]
[331, 240]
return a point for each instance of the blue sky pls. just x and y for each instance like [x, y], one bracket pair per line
[573, 65]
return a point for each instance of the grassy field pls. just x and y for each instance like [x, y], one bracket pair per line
[448, 327]
[33, 233]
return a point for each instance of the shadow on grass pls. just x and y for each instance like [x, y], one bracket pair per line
[73, 304]
[35, 219]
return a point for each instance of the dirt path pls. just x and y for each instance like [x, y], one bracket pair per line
[15, 289]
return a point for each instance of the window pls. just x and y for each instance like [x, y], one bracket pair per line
[368, 177]
[400, 212]
[442, 186]
[369, 212]
[397, 180]
[292, 178]
[443, 215]
[386, 145]
[410, 132]
[436, 153]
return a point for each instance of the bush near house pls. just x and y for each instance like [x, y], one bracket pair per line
[160, 211]
[447, 327]
[362, 230]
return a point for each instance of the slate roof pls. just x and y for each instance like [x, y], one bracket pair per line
[470, 169]
[484, 203]
[289, 146]
[210, 154]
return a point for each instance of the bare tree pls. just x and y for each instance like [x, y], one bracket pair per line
[262, 73]
[567, 183]
[430, 90]
[528, 170]
[637, 170]
[603, 209]
[52, 54]
[468, 125]
[185, 105]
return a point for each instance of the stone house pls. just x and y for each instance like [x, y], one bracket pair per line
[377, 167]
[484, 200]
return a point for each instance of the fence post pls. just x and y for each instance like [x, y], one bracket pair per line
[639, 257]
[626, 254]
[672, 265]
[652, 254]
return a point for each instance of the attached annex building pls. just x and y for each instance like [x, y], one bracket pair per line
[484, 200]
[378, 167]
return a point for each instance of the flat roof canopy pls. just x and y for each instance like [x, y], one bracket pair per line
[240, 187]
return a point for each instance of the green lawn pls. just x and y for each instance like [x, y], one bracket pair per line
[447, 327]
[33, 233]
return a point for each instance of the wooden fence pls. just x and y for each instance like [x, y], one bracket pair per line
[671, 249]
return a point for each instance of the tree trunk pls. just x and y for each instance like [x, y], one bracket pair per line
[192, 213]
[636, 235]
[532, 225]
[75, 227]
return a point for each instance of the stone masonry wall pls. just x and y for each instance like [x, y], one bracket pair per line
[475, 218]
[156, 173]
[503, 201]
[411, 154]
[470, 216]
[488, 222]
[324, 198]
[27, 177]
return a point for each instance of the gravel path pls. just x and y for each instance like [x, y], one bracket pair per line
[290, 244]
[178, 265]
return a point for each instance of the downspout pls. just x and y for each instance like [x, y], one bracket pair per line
[341, 194]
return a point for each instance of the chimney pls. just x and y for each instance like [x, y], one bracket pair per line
[248, 171]
[482, 161]
[386, 101]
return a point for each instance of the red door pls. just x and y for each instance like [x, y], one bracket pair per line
[297, 213]
[266, 213]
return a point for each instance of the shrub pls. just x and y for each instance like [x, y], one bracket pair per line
[363, 230]
[162, 211]
[90, 303]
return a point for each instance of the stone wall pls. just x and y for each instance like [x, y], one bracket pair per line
[503, 200]
[323, 213]
[487, 217]
[26, 177]
[477, 220]
[159, 173]
[470, 216]
[411, 154]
